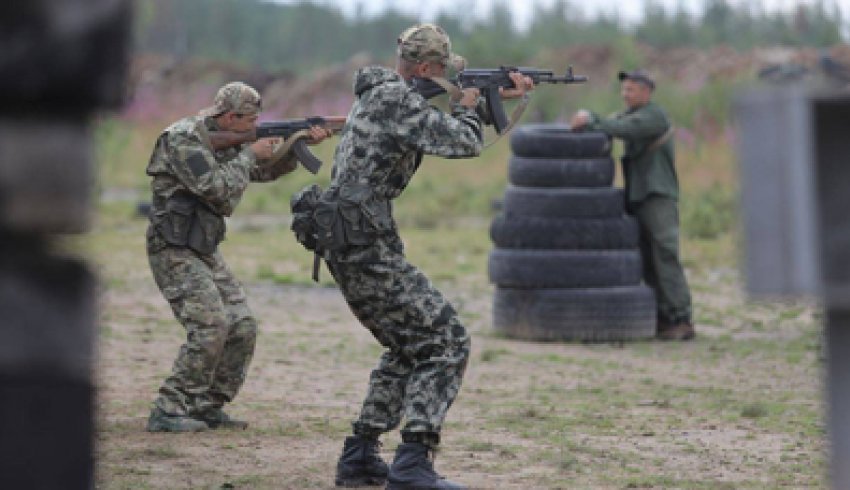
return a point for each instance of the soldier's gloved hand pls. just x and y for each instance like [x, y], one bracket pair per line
[263, 148]
[522, 84]
[469, 97]
[318, 134]
[580, 119]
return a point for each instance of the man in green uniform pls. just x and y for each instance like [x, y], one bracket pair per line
[389, 129]
[195, 185]
[652, 193]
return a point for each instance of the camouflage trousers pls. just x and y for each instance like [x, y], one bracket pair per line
[220, 329]
[427, 348]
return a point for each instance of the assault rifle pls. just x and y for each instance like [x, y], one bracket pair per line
[294, 132]
[489, 80]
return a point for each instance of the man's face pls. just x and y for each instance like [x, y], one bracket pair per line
[635, 94]
[436, 69]
[231, 121]
[425, 69]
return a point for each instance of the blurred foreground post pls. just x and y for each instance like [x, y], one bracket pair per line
[795, 161]
[61, 61]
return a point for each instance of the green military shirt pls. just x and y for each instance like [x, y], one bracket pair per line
[646, 171]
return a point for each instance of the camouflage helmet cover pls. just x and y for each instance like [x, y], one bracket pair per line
[236, 97]
[428, 42]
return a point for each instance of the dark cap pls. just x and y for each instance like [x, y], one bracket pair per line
[637, 76]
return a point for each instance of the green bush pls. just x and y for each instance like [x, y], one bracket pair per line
[709, 213]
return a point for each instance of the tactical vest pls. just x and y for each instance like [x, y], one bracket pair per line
[350, 215]
[187, 222]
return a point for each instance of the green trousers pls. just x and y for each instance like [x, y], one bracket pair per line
[658, 218]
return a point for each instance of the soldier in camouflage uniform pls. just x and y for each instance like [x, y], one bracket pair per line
[194, 187]
[388, 130]
[652, 193]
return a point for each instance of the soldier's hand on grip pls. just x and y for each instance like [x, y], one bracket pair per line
[522, 85]
[263, 148]
[470, 97]
[318, 134]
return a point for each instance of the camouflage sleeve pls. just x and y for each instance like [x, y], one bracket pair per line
[218, 184]
[264, 172]
[432, 131]
[636, 125]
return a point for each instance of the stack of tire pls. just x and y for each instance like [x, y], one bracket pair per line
[566, 264]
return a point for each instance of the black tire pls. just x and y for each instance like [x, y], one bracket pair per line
[564, 268]
[590, 315]
[603, 202]
[569, 233]
[557, 141]
[557, 172]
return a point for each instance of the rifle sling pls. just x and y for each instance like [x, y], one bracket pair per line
[455, 94]
[317, 260]
[664, 138]
[515, 115]
[450, 88]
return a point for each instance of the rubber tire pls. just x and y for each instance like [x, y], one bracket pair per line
[557, 141]
[588, 315]
[603, 202]
[568, 233]
[515, 268]
[557, 172]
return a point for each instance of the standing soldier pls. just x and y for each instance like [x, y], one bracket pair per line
[652, 193]
[389, 128]
[195, 185]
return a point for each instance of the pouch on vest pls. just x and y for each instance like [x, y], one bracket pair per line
[179, 215]
[303, 205]
[188, 223]
[206, 232]
[358, 228]
[330, 232]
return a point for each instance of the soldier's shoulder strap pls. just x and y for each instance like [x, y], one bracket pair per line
[664, 138]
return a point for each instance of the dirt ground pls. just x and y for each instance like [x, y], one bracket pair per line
[740, 407]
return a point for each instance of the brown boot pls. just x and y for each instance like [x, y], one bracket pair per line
[678, 331]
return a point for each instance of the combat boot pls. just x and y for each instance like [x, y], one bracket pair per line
[216, 418]
[413, 469]
[159, 421]
[360, 464]
[679, 331]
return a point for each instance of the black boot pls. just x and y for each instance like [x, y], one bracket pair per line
[360, 464]
[412, 469]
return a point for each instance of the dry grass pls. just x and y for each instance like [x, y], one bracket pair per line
[738, 408]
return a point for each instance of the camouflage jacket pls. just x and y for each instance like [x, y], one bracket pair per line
[390, 127]
[183, 160]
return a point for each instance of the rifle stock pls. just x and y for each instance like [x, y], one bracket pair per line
[225, 139]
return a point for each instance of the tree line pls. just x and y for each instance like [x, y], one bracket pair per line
[306, 35]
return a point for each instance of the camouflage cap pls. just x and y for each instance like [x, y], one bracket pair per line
[237, 97]
[638, 76]
[427, 42]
